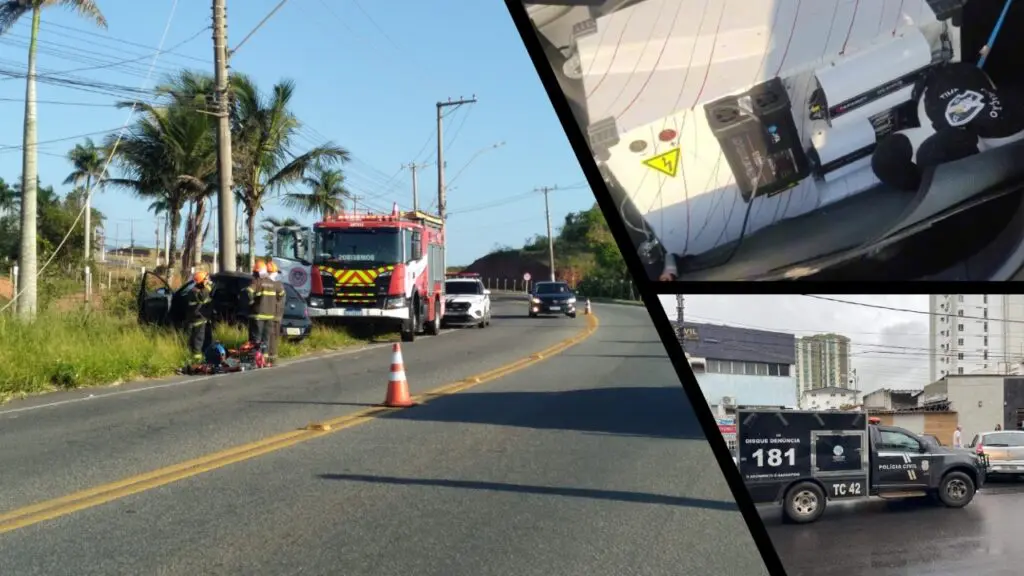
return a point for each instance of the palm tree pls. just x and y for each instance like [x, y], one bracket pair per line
[8, 198]
[10, 12]
[327, 193]
[90, 165]
[264, 130]
[169, 154]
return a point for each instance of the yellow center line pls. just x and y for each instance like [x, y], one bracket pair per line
[50, 509]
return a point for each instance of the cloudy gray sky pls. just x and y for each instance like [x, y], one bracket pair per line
[888, 349]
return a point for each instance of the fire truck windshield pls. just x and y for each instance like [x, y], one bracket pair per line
[358, 246]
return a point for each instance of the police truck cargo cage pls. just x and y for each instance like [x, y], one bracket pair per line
[803, 459]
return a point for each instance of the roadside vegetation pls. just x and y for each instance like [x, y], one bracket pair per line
[586, 256]
[167, 157]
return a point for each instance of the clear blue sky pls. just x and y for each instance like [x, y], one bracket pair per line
[368, 75]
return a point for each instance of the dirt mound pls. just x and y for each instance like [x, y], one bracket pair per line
[511, 265]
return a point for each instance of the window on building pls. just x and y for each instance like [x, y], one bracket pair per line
[960, 370]
[984, 312]
[960, 356]
[984, 298]
[960, 341]
[773, 369]
[762, 369]
[984, 355]
[960, 298]
[959, 312]
[985, 327]
[784, 370]
[959, 327]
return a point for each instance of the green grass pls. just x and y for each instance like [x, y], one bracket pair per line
[66, 350]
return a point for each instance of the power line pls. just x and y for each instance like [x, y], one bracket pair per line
[29, 277]
[909, 311]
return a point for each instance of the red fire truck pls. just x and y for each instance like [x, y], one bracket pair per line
[386, 269]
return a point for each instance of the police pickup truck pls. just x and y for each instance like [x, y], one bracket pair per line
[803, 459]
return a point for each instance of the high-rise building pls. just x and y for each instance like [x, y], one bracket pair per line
[975, 333]
[822, 361]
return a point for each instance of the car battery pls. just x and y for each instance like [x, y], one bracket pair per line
[759, 139]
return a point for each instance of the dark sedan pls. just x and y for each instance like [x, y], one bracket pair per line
[552, 298]
[159, 304]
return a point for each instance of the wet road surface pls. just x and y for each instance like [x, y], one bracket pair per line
[907, 538]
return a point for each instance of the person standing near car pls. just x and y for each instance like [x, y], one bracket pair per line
[262, 298]
[199, 301]
[280, 299]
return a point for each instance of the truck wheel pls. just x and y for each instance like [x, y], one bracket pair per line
[410, 326]
[804, 503]
[956, 490]
[433, 327]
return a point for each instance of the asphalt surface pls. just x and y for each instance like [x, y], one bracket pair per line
[881, 538]
[589, 463]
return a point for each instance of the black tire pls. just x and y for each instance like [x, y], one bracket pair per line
[433, 327]
[573, 315]
[411, 325]
[956, 490]
[804, 503]
[532, 315]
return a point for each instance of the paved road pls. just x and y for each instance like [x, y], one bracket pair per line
[588, 463]
[880, 538]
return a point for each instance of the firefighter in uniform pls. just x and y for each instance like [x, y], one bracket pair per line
[262, 305]
[198, 316]
[280, 299]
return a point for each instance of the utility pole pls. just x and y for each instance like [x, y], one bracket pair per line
[156, 246]
[680, 308]
[131, 241]
[225, 193]
[442, 205]
[415, 189]
[551, 241]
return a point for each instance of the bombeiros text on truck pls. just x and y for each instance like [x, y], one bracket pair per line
[362, 267]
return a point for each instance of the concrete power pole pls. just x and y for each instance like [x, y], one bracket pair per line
[551, 241]
[415, 188]
[226, 199]
[442, 204]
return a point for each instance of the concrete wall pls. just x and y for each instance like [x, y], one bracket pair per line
[978, 402]
[749, 390]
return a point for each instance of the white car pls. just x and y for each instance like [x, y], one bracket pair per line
[467, 302]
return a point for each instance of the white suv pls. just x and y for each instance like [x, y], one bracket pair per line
[467, 302]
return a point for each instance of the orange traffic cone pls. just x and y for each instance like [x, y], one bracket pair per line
[398, 386]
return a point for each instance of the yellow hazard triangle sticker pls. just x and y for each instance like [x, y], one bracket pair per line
[667, 162]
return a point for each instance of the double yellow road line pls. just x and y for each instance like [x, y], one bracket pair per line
[98, 495]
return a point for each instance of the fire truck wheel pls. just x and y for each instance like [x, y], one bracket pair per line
[411, 325]
[433, 327]
[804, 503]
